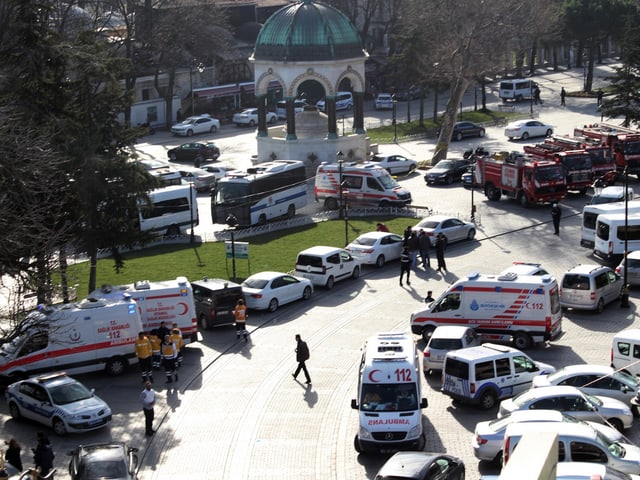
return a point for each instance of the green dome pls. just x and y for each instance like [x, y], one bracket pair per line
[308, 31]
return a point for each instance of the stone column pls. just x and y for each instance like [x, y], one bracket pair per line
[330, 107]
[291, 119]
[262, 115]
[358, 112]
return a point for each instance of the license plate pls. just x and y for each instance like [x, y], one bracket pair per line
[99, 421]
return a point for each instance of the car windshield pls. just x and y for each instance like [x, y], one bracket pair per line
[387, 181]
[69, 393]
[388, 398]
[257, 283]
[95, 470]
[365, 241]
[551, 172]
[444, 164]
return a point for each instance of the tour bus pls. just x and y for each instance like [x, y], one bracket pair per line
[171, 211]
[268, 190]
[590, 215]
[616, 233]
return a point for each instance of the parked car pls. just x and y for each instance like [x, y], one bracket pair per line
[525, 268]
[394, 164]
[488, 435]
[217, 170]
[466, 130]
[445, 339]
[376, 248]
[163, 171]
[383, 101]
[269, 290]
[593, 380]
[590, 287]
[113, 461]
[632, 264]
[249, 117]
[202, 180]
[452, 228]
[325, 265]
[573, 402]
[422, 466]
[196, 124]
[525, 129]
[58, 401]
[447, 171]
[194, 152]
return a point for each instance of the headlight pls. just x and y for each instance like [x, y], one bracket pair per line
[415, 431]
[363, 433]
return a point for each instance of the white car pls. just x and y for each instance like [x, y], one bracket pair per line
[444, 339]
[525, 268]
[197, 124]
[383, 101]
[217, 170]
[58, 401]
[489, 435]
[202, 180]
[452, 228]
[269, 290]
[573, 402]
[394, 164]
[525, 129]
[598, 380]
[250, 117]
[376, 248]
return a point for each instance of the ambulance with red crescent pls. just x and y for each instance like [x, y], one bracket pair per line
[87, 336]
[169, 301]
[389, 399]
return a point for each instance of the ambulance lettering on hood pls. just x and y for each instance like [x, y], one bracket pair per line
[388, 421]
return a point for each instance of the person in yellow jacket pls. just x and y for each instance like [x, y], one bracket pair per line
[169, 353]
[155, 348]
[176, 338]
[240, 314]
[144, 353]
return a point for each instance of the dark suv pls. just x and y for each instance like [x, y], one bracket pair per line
[215, 300]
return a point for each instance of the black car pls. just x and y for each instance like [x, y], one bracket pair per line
[447, 171]
[466, 129]
[113, 460]
[422, 466]
[194, 152]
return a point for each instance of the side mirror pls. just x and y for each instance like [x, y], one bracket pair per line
[354, 404]
[424, 403]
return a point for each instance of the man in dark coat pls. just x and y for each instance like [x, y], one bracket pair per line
[302, 355]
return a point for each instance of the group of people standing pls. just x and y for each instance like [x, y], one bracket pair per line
[43, 455]
[420, 243]
[163, 347]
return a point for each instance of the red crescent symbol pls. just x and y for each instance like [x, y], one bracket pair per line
[373, 380]
[185, 306]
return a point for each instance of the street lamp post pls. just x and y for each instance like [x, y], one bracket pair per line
[199, 66]
[192, 199]
[232, 223]
[394, 103]
[343, 210]
[624, 296]
[473, 206]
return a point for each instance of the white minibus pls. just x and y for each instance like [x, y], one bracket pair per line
[614, 234]
[516, 90]
[171, 211]
[590, 215]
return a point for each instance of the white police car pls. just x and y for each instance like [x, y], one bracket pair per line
[58, 401]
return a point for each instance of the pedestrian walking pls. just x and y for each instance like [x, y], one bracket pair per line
[302, 355]
[144, 352]
[441, 244]
[155, 348]
[429, 298]
[148, 400]
[536, 95]
[563, 94]
[424, 244]
[169, 354]
[599, 94]
[556, 213]
[405, 265]
[381, 227]
[240, 313]
[43, 455]
[12, 455]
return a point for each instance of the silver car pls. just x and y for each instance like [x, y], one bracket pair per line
[573, 402]
[202, 180]
[376, 248]
[452, 228]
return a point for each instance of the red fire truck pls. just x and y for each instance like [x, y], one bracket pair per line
[522, 177]
[602, 162]
[623, 143]
[576, 164]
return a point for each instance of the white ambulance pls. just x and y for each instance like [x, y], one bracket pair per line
[169, 301]
[362, 185]
[522, 308]
[389, 395]
[93, 334]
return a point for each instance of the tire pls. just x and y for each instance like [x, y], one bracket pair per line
[481, 133]
[525, 136]
[189, 133]
[497, 461]
[198, 161]
[548, 133]
[14, 410]
[330, 283]
[356, 444]
[213, 129]
[523, 200]
[331, 204]
[356, 273]
[459, 136]
[422, 441]
[116, 366]
[58, 427]
[472, 234]
[389, 171]
[427, 332]
[600, 306]
[519, 98]
[306, 293]
[271, 120]
[616, 423]
[380, 261]
[492, 192]
[203, 323]
[172, 157]
[252, 123]
[273, 305]
[488, 400]
[262, 219]
[173, 230]
[522, 341]
[291, 211]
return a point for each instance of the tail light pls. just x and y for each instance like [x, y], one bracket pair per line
[610, 248]
[618, 270]
[368, 250]
[480, 440]
[472, 388]
[256, 295]
[427, 353]
[592, 296]
[611, 356]
[506, 451]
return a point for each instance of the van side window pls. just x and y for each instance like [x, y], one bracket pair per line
[353, 181]
[585, 452]
[502, 367]
[36, 342]
[624, 348]
[373, 184]
[450, 302]
[602, 280]
[612, 277]
[335, 259]
[636, 351]
[485, 371]
[561, 454]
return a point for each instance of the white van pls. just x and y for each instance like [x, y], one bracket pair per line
[487, 373]
[93, 334]
[625, 351]
[281, 107]
[172, 210]
[363, 184]
[517, 90]
[590, 215]
[389, 398]
[169, 301]
[445, 339]
[612, 194]
[344, 101]
[326, 265]
[590, 287]
[522, 308]
[612, 232]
